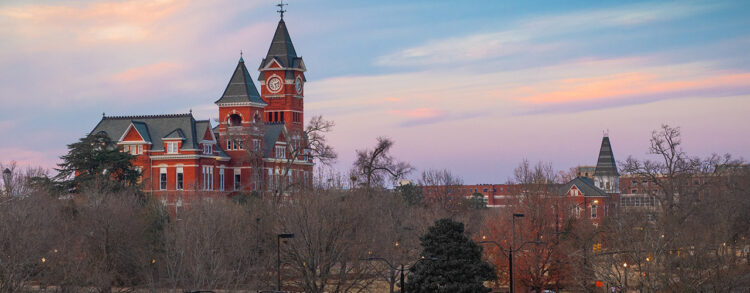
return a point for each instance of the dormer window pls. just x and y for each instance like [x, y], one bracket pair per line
[208, 149]
[172, 147]
[280, 152]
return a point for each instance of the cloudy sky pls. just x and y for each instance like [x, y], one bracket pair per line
[471, 86]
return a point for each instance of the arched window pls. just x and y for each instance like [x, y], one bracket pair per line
[235, 120]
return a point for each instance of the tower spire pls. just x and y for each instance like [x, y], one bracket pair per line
[281, 8]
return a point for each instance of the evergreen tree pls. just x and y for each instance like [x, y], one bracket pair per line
[412, 194]
[452, 263]
[96, 159]
[477, 201]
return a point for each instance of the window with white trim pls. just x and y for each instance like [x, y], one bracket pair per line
[179, 179]
[229, 144]
[221, 179]
[172, 147]
[280, 152]
[162, 178]
[237, 179]
[256, 144]
[594, 209]
[241, 144]
[208, 175]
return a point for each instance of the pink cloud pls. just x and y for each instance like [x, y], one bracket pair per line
[147, 72]
[98, 21]
[30, 158]
[417, 113]
[626, 85]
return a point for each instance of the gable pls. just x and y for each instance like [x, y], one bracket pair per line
[273, 64]
[575, 191]
[132, 135]
[208, 135]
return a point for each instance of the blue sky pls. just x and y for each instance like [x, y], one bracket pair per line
[471, 86]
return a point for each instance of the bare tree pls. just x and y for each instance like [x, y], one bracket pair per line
[686, 241]
[375, 167]
[303, 148]
[307, 147]
[329, 244]
[28, 235]
[218, 245]
[444, 190]
[17, 181]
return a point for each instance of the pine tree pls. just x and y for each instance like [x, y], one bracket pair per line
[96, 158]
[451, 262]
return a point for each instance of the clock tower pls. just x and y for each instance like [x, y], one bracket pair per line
[282, 82]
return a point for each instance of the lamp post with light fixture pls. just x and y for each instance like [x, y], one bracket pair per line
[401, 269]
[511, 249]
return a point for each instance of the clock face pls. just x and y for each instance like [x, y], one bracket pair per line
[274, 84]
[298, 85]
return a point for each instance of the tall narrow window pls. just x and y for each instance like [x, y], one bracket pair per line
[163, 178]
[210, 177]
[280, 152]
[221, 179]
[140, 149]
[282, 116]
[594, 211]
[180, 178]
[237, 179]
[229, 144]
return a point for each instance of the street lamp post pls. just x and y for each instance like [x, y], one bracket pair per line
[278, 256]
[510, 252]
[511, 249]
[401, 269]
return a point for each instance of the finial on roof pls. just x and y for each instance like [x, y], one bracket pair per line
[605, 133]
[241, 59]
[104, 114]
[191, 110]
[281, 8]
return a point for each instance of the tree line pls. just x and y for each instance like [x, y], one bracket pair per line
[352, 233]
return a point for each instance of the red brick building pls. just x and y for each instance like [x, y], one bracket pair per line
[593, 195]
[258, 143]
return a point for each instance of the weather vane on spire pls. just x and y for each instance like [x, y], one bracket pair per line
[281, 8]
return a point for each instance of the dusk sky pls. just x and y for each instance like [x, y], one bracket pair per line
[469, 86]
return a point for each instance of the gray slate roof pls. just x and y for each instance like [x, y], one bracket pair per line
[585, 185]
[605, 165]
[271, 135]
[177, 133]
[142, 129]
[282, 49]
[157, 126]
[241, 88]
